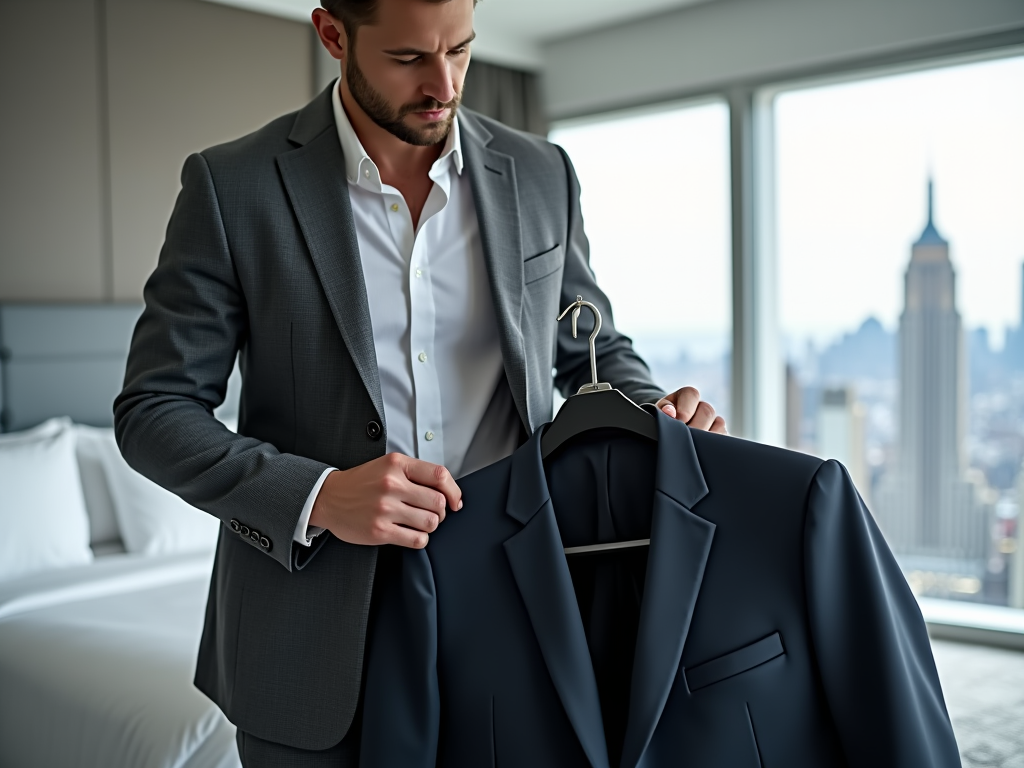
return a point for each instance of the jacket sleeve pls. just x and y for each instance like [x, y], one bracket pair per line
[181, 355]
[869, 637]
[617, 362]
[401, 702]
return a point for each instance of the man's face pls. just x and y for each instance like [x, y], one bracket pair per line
[405, 71]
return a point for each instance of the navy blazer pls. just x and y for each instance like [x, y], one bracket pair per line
[772, 626]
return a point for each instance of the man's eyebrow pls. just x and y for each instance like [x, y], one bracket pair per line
[417, 52]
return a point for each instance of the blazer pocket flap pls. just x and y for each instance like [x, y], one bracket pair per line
[747, 657]
[542, 265]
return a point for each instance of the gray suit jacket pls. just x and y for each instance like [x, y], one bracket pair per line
[261, 260]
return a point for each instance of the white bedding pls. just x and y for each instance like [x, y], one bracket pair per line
[96, 666]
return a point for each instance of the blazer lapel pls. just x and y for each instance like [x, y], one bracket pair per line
[539, 568]
[492, 175]
[314, 178]
[680, 545]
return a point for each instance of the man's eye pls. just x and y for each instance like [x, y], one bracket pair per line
[457, 52]
[405, 62]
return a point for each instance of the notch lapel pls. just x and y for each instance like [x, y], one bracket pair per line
[492, 176]
[314, 178]
[542, 575]
[680, 545]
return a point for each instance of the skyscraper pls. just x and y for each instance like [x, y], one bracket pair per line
[926, 507]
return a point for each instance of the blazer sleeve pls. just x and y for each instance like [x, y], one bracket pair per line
[181, 355]
[401, 702]
[617, 361]
[869, 637]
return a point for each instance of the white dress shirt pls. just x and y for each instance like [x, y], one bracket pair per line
[434, 327]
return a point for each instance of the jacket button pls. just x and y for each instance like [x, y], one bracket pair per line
[373, 430]
[265, 543]
[244, 530]
[254, 535]
[235, 525]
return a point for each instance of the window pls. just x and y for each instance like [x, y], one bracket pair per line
[655, 198]
[900, 258]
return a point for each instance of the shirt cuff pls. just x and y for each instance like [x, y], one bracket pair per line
[304, 532]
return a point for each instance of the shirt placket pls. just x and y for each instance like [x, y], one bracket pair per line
[429, 433]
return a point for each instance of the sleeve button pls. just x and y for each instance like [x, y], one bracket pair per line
[244, 530]
[254, 535]
[265, 543]
[235, 526]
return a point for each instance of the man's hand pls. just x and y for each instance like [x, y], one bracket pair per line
[391, 500]
[685, 405]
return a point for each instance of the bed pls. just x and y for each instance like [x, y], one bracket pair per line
[103, 575]
[96, 665]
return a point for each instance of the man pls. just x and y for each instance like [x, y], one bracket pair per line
[389, 275]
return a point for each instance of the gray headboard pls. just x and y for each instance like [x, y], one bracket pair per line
[69, 360]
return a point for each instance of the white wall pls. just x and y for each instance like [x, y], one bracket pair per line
[103, 100]
[700, 48]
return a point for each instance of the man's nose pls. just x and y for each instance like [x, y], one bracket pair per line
[438, 84]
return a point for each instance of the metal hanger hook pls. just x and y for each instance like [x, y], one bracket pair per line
[575, 307]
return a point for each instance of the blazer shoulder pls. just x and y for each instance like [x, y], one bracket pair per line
[254, 149]
[781, 472]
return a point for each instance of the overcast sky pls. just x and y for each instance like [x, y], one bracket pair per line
[853, 161]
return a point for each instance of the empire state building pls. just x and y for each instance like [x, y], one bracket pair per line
[926, 506]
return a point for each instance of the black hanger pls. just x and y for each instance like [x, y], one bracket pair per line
[595, 406]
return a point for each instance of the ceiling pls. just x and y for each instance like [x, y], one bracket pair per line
[511, 31]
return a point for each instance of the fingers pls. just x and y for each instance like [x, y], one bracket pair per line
[419, 497]
[414, 517]
[718, 425]
[437, 477]
[686, 401]
[703, 417]
[405, 537]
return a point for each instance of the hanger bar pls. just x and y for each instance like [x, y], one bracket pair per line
[605, 547]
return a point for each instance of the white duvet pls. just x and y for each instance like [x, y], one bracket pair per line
[96, 666]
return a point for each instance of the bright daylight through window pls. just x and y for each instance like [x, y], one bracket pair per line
[900, 204]
[655, 197]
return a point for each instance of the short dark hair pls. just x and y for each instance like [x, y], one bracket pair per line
[355, 13]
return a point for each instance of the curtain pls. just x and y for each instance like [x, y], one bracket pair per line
[511, 96]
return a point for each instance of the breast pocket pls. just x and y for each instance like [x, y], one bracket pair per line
[543, 265]
[734, 663]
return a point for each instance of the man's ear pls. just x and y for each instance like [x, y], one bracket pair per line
[331, 33]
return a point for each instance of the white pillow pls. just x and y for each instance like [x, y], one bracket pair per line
[154, 521]
[48, 428]
[43, 523]
[92, 461]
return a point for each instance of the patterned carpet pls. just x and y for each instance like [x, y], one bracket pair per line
[984, 689]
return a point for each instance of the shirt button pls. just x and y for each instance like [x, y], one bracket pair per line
[422, 357]
[394, 207]
[419, 273]
[429, 435]
[366, 173]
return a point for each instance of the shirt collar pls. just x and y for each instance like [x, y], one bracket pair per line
[357, 162]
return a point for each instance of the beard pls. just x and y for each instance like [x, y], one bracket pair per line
[392, 119]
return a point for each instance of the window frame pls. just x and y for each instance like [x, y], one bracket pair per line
[757, 408]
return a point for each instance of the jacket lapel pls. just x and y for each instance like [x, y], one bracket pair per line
[492, 176]
[314, 178]
[539, 568]
[680, 545]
